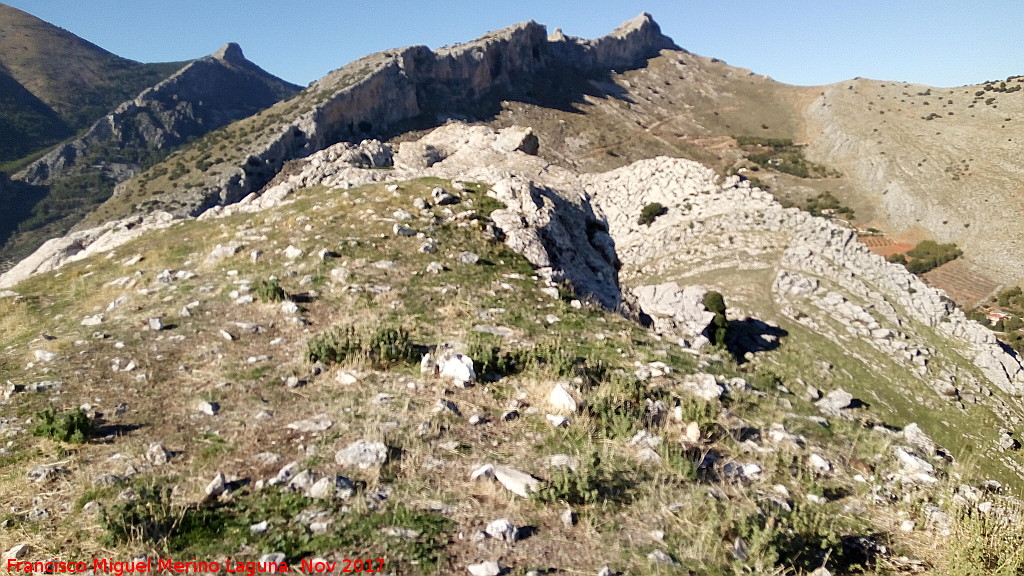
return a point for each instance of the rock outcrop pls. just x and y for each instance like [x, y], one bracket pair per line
[77, 245]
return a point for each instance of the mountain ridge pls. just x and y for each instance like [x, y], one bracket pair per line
[384, 91]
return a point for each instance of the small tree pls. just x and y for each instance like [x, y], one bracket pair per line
[714, 302]
[651, 212]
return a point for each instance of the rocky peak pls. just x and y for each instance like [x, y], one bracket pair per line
[633, 41]
[230, 52]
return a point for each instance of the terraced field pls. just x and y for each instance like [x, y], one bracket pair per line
[962, 282]
[884, 246]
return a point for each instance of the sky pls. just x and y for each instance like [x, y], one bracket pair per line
[804, 42]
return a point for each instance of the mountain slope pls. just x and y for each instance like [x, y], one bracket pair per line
[26, 122]
[79, 174]
[381, 95]
[272, 345]
[75, 78]
[941, 161]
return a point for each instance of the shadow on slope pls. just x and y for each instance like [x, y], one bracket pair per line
[752, 335]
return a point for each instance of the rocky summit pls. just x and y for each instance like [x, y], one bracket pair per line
[433, 346]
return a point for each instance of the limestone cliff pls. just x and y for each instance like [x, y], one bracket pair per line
[384, 94]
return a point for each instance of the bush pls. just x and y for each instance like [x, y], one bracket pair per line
[269, 291]
[929, 254]
[715, 302]
[385, 346]
[488, 357]
[72, 426]
[650, 213]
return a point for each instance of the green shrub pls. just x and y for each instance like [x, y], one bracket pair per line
[715, 302]
[489, 358]
[574, 487]
[269, 290]
[384, 346]
[71, 426]
[619, 407]
[650, 213]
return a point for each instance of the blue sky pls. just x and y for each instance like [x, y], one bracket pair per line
[807, 42]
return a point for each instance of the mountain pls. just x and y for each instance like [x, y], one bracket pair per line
[136, 114]
[77, 80]
[443, 312]
[382, 95]
[26, 122]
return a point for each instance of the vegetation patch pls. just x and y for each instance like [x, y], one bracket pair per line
[650, 213]
[71, 426]
[783, 155]
[401, 536]
[927, 255]
[269, 290]
[381, 347]
[714, 302]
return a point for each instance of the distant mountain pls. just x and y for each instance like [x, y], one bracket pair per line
[76, 80]
[129, 115]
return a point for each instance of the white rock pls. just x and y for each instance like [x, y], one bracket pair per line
[907, 526]
[289, 307]
[427, 365]
[399, 230]
[317, 423]
[332, 488]
[557, 421]
[692, 433]
[208, 408]
[363, 454]
[292, 253]
[485, 569]
[346, 378]
[44, 356]
[703, 386]
[818, 463]
[660, 557]
[561, 400]
[502, 529]
[458, 367]
[217, 486]
[92, 320]
[16, 553]
[513, 480]
[157, 455]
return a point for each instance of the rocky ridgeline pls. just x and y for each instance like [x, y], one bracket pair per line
[382, 93]
[204, 95]
[583, 229]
